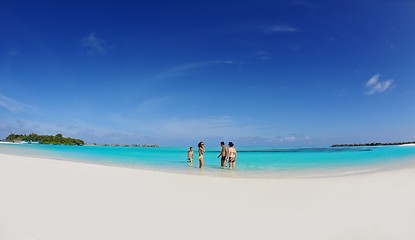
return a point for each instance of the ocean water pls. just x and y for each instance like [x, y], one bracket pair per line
[251, 162]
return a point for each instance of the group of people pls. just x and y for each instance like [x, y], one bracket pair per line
[226, 155]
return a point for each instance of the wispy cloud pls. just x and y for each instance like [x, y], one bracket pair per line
[343, 93]
[262, 55]
[294, 138]
[267, 29]
[167, 131]
[207, 127]
[389, 42]
[93, 44]
[213, 129]
[186, 69]
[281, 28]
[275, 141]
[72, 128]
[14, 106]
[376, 86]
[150, 105]
[13, 52]
[191, 66]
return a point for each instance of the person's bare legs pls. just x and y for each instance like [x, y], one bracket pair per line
[201, 162]
[234, 165]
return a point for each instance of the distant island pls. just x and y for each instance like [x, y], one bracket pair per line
[371, 144]
[58, 139]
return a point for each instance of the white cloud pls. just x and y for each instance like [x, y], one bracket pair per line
[166, 131]
[217, 128]
[207, 127]
[185, 69]
[342, 93]
[375, 85]
[262, 55]
[291, 138]
[274, 141]
[69, 128]
[282, 28]
[288, 138]
[14, 106]
[93, 44]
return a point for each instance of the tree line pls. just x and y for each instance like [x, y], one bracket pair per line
[58, 139]
[371, 144]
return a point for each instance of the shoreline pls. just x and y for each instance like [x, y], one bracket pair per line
[407, 145]
[43, 198]
[216, 171]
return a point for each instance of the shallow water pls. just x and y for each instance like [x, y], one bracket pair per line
[251, 162]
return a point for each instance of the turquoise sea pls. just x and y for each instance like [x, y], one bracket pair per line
[251, 162]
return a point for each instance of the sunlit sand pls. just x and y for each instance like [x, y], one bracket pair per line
[53, 199]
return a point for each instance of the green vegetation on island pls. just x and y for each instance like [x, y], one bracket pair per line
[58, 139]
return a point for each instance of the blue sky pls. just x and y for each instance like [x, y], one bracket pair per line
[259, 73]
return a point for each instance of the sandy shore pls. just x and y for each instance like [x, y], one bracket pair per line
[42, 199]
[408, 145]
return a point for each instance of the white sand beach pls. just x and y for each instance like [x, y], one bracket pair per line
[43, 199]
[408, 145]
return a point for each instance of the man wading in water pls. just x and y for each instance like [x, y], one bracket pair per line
[223, 154]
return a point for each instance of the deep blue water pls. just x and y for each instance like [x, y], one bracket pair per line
[251, 162]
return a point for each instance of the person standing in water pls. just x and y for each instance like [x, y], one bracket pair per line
[201, 152]
[223, 154]
[190, 155]
[232, 156]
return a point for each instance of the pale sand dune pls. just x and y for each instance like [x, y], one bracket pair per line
[56, 200]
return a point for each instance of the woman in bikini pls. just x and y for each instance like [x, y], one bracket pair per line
[232, 156]
[201, 152]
